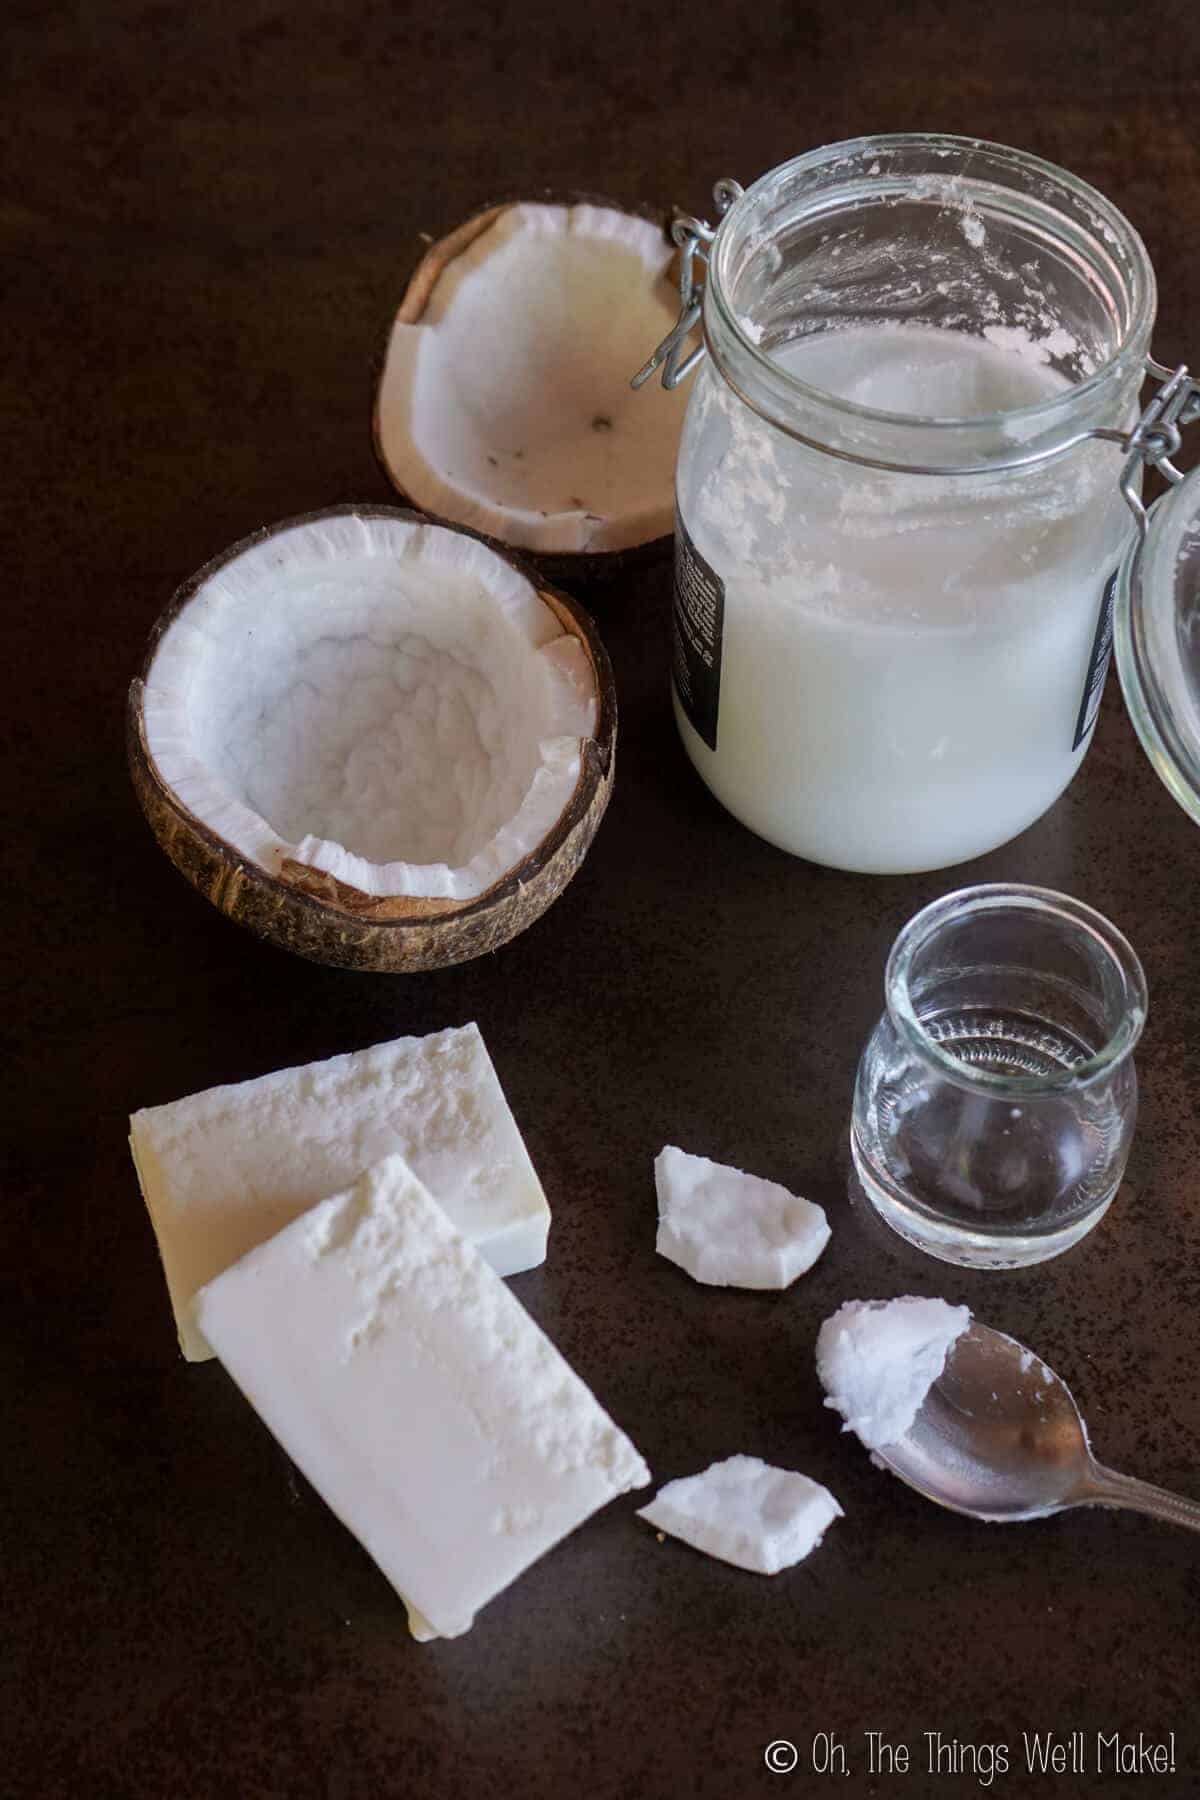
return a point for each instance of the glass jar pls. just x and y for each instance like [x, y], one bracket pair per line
[898, 518]
[996, 1099]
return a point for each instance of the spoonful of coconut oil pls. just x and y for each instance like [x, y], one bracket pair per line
[969, 1417]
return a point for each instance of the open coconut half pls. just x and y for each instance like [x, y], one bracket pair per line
[504, 402]
[374, 740]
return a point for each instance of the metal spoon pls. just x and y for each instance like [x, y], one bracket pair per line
[998, 1436]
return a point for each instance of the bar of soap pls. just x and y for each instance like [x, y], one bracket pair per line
[877, 1360]
[747, 1513]
[730, 1229]
[223, 1170]
[417, 1395]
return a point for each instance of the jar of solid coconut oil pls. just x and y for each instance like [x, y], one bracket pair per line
[899, 494]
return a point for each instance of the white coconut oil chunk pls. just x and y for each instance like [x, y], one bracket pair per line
[730, 1229]
[877, 1360]
[415, 1392]
[383, 700]
[223, 1170]
[747, 1513]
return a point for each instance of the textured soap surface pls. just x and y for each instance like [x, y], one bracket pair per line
[223, 1170]
[417, 1395]
[731, 1229]
[746, 1512]
[877, 1360]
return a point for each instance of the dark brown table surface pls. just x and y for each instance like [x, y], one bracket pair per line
[206, 216]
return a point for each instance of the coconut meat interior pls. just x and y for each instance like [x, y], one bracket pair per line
[387, 701]
[507, 404]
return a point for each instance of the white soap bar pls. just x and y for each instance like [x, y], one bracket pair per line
[416, 1394]
[730, 1229]
[877, 1360]
[223, 1170]
[746, 1513]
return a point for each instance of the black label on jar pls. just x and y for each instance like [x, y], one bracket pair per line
[698, 623]
[1097, 669]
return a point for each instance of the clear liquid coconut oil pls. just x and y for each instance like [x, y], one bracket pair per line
[897, 531]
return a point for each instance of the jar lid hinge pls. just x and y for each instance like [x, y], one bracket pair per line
[692, 237]
[1158, 434]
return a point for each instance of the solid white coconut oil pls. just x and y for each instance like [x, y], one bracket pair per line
[907, 666]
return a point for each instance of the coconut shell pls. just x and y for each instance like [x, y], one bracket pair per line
[315, 915]
[430, 264]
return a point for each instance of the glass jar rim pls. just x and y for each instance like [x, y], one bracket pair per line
[1128, 354]
[1037, 902]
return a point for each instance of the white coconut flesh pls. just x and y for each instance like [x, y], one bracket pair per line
[387, 701]
[506, 405]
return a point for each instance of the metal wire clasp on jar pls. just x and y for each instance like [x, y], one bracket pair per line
[899, 507]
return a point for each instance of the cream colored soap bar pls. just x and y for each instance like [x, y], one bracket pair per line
[416, 1394]
[224, 1170]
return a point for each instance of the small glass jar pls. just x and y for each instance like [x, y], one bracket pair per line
[996, 1099]
[892, 629]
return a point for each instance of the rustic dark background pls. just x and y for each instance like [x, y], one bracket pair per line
[206, 213]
